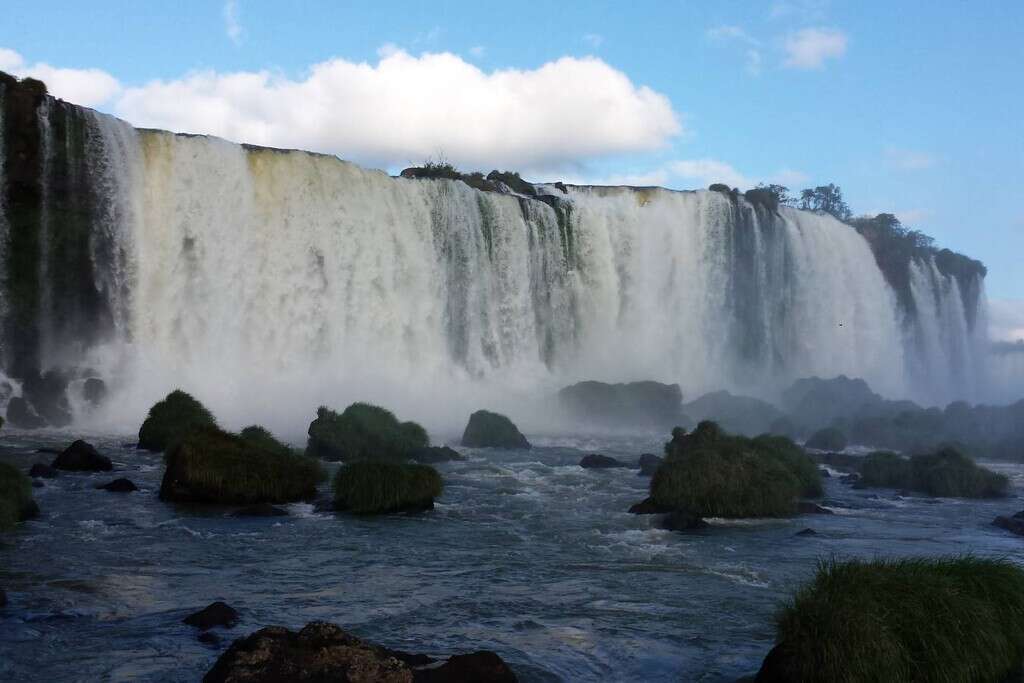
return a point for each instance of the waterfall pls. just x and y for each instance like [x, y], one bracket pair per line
[267, 281]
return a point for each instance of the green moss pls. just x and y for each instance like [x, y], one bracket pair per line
[947, 473]
[171, 419]
[378, 487]
[213, 466]
[363, 432]
[827, 439]
[16, 503]
[784, 451]
[492, 430]
[946, 620]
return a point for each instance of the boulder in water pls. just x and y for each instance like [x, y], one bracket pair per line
[596, 461]
[430, 455]
[807, 532]
[737, 414]
[21, 415]
[41, 470]
[363, 432]
[215, 614]
[682, 520]
[82, 456]
[172, 419]
[649, 464]
[324, 652]
[492, 430]
[121, 485]
[636, 404]
[94, 390]
[647, 506]
[1014, 524]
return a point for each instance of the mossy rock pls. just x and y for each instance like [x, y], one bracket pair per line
[210, 465]
[172, 419]
[827, 439]
[947, 473]
[492, 430]
[380, 487]
[16, 502]
[956, 620]
[261, 436]
[714, 474]
[363, 432]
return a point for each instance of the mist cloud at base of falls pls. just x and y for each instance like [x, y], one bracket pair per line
[268, 282]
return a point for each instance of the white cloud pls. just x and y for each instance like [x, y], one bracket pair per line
[909, 160]
[594, 40]
[686, 174]
[736, 34]
[88, 87]
[913, 217]
[407, 108]
[788, 177]
[232, 22]
[809, 48]
[707, 171]
[1006, 319]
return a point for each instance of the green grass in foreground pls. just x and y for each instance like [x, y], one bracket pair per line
[15, 496]
[376, 487]
[942, 620]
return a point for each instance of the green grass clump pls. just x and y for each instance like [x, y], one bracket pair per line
[944, 620]
[213, 466]
[16, 503]
[261, 436]
[171, 419]
[947, 473]
[363, 432]
[378, 487]
[794, 459]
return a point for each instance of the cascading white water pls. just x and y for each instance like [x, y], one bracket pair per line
[267, 282]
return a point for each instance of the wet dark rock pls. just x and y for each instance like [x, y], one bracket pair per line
[850, 479]
[3, 598]
[682, 520]
[647, 506]
[825, 474]
[805, 507]
[82, 457]
[29, 511]
[774, 668]
[1014, 524]
[215, 614]
[94, 390]
[121, 485]
[649, 464]
[43, 471]
[209, 638]
[21, 415]
[36, 484]
[322, 652]
[599, 462]
[492, 430]
[260, 510]
[52, 451]
[430, 455]
[807, 532]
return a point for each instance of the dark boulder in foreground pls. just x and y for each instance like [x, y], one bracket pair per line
[915, 619]
[82, 456]
[41, 470]
[647, 506]
[121, 485]
[681, 520]
[1014, 524]
[649, 464]
[213, 466]
[260, 510]
[492, 430]
[596, 461]
[431, 455]
[215, 614]
[323, 652]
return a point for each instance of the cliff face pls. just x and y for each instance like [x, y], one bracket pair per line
[151, 259]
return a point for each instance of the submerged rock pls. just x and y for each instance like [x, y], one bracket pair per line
[649, 464]
[492, 430]
[42, 471]
[806, 532]
[430, 455]
[82, 456]
[323, 652]
[647, 506]
[260, 510]
[215, 614]
[1014, 524]
[121, 485]
[682, 520]
[597, 461]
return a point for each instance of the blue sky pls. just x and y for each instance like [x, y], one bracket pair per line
[912, 107]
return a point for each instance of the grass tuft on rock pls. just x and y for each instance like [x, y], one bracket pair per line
[213, 466]
[16, 503]
[261, 436]
[171, 419]
[363, 432]
[380, 487]
[715, 474]
[947, 473]
[942, 620]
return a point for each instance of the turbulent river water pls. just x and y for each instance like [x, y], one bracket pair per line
[526, 554]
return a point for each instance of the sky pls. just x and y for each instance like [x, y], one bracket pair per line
[913, 108]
